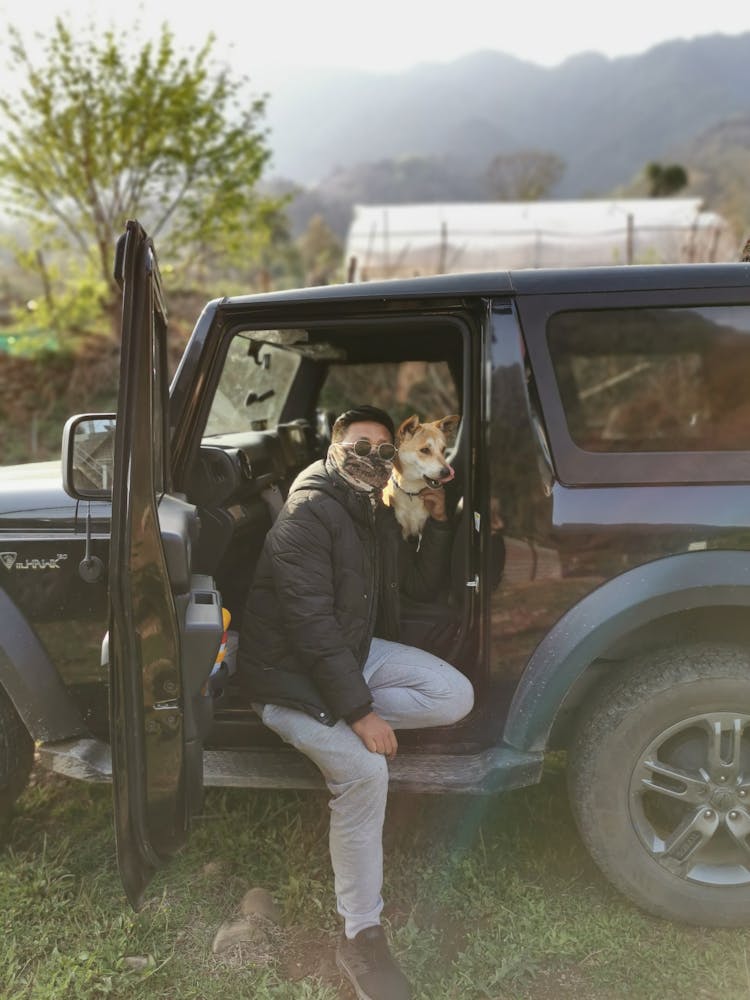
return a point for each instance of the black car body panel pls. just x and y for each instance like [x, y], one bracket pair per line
[32, 681]
[165, 626]
[684, 583]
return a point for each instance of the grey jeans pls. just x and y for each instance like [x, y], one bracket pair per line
[411, 689]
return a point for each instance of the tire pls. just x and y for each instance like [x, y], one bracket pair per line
[659, 781]
[16, 757]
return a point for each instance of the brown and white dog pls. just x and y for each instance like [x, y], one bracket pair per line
[419, 464]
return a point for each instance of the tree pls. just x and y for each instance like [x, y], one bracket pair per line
[665, 180]
[526, 175]
[321, 253]
[101, 132]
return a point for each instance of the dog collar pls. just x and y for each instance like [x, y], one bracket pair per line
[400, 487]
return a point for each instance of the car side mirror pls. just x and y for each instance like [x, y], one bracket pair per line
[87, 456]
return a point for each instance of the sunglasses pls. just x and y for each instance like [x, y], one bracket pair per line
[362, 448]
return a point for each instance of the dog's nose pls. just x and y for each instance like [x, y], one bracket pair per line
[445, 472]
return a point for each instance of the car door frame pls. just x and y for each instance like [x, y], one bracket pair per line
[155, 692]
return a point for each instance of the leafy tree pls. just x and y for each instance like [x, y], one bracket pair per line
[101, 132]
[321, 253]
[526, 175]
[665, 180]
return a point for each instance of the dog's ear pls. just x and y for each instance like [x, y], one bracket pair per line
[449, 425]
[408, 427]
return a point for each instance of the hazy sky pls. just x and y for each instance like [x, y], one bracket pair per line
[270, 37]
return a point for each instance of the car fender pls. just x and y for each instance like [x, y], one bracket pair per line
[633, 599]
[31, 681]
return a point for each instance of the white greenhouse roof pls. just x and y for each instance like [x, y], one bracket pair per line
[438, 238]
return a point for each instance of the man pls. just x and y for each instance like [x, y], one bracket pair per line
[319, 660]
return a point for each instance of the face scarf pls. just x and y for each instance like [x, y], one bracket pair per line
[365, 475]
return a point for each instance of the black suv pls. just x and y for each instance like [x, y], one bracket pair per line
[599, 593]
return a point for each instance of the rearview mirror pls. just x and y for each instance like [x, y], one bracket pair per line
[87, 456]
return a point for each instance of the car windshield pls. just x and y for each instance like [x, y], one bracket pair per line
[253, 386]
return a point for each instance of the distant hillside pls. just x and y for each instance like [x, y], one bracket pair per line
[605, 117]
[720, 168]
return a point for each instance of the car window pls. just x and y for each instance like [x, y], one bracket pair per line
[253, 387]
[635, 380]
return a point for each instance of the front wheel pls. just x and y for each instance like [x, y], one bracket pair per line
[659, 779]
[16, 757]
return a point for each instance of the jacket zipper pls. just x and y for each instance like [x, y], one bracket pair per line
[373, 596]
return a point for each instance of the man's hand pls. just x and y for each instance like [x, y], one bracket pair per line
[376, 734]
[434, 501]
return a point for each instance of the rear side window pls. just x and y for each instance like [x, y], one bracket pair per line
[654, 380]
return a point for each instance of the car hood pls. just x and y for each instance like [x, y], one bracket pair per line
[34, 490]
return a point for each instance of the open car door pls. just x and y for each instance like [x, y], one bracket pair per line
[165, 623]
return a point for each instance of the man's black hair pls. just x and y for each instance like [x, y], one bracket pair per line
[361, 414]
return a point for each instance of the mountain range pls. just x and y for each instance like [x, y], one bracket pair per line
[605, 118]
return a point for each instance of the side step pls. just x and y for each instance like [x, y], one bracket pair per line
[494, 770]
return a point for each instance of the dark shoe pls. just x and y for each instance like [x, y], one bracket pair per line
[370, 968]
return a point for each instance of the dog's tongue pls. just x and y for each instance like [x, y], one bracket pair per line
[435, 484]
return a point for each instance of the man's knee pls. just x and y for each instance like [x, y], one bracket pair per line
[372, 769]
[361, 791]
[461, 701]
[366, 772]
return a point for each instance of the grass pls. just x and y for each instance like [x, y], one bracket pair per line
[486, 899]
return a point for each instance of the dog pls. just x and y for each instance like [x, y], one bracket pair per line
[419, 464]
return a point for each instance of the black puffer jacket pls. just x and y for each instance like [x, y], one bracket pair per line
[330, 572]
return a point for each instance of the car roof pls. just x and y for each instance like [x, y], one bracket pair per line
[537, 281]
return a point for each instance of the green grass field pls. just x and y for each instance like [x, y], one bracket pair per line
[485, 898]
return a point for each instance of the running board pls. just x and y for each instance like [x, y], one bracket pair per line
[494, 770]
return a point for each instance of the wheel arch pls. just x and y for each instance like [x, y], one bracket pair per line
[30, 679]
[683, 598]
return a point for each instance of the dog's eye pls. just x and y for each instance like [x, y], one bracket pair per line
[425, 451]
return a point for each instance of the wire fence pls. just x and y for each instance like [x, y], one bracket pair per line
[385, 250]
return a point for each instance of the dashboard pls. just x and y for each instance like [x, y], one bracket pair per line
[240, 466]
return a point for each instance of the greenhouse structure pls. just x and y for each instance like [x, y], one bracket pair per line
[389, 241]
